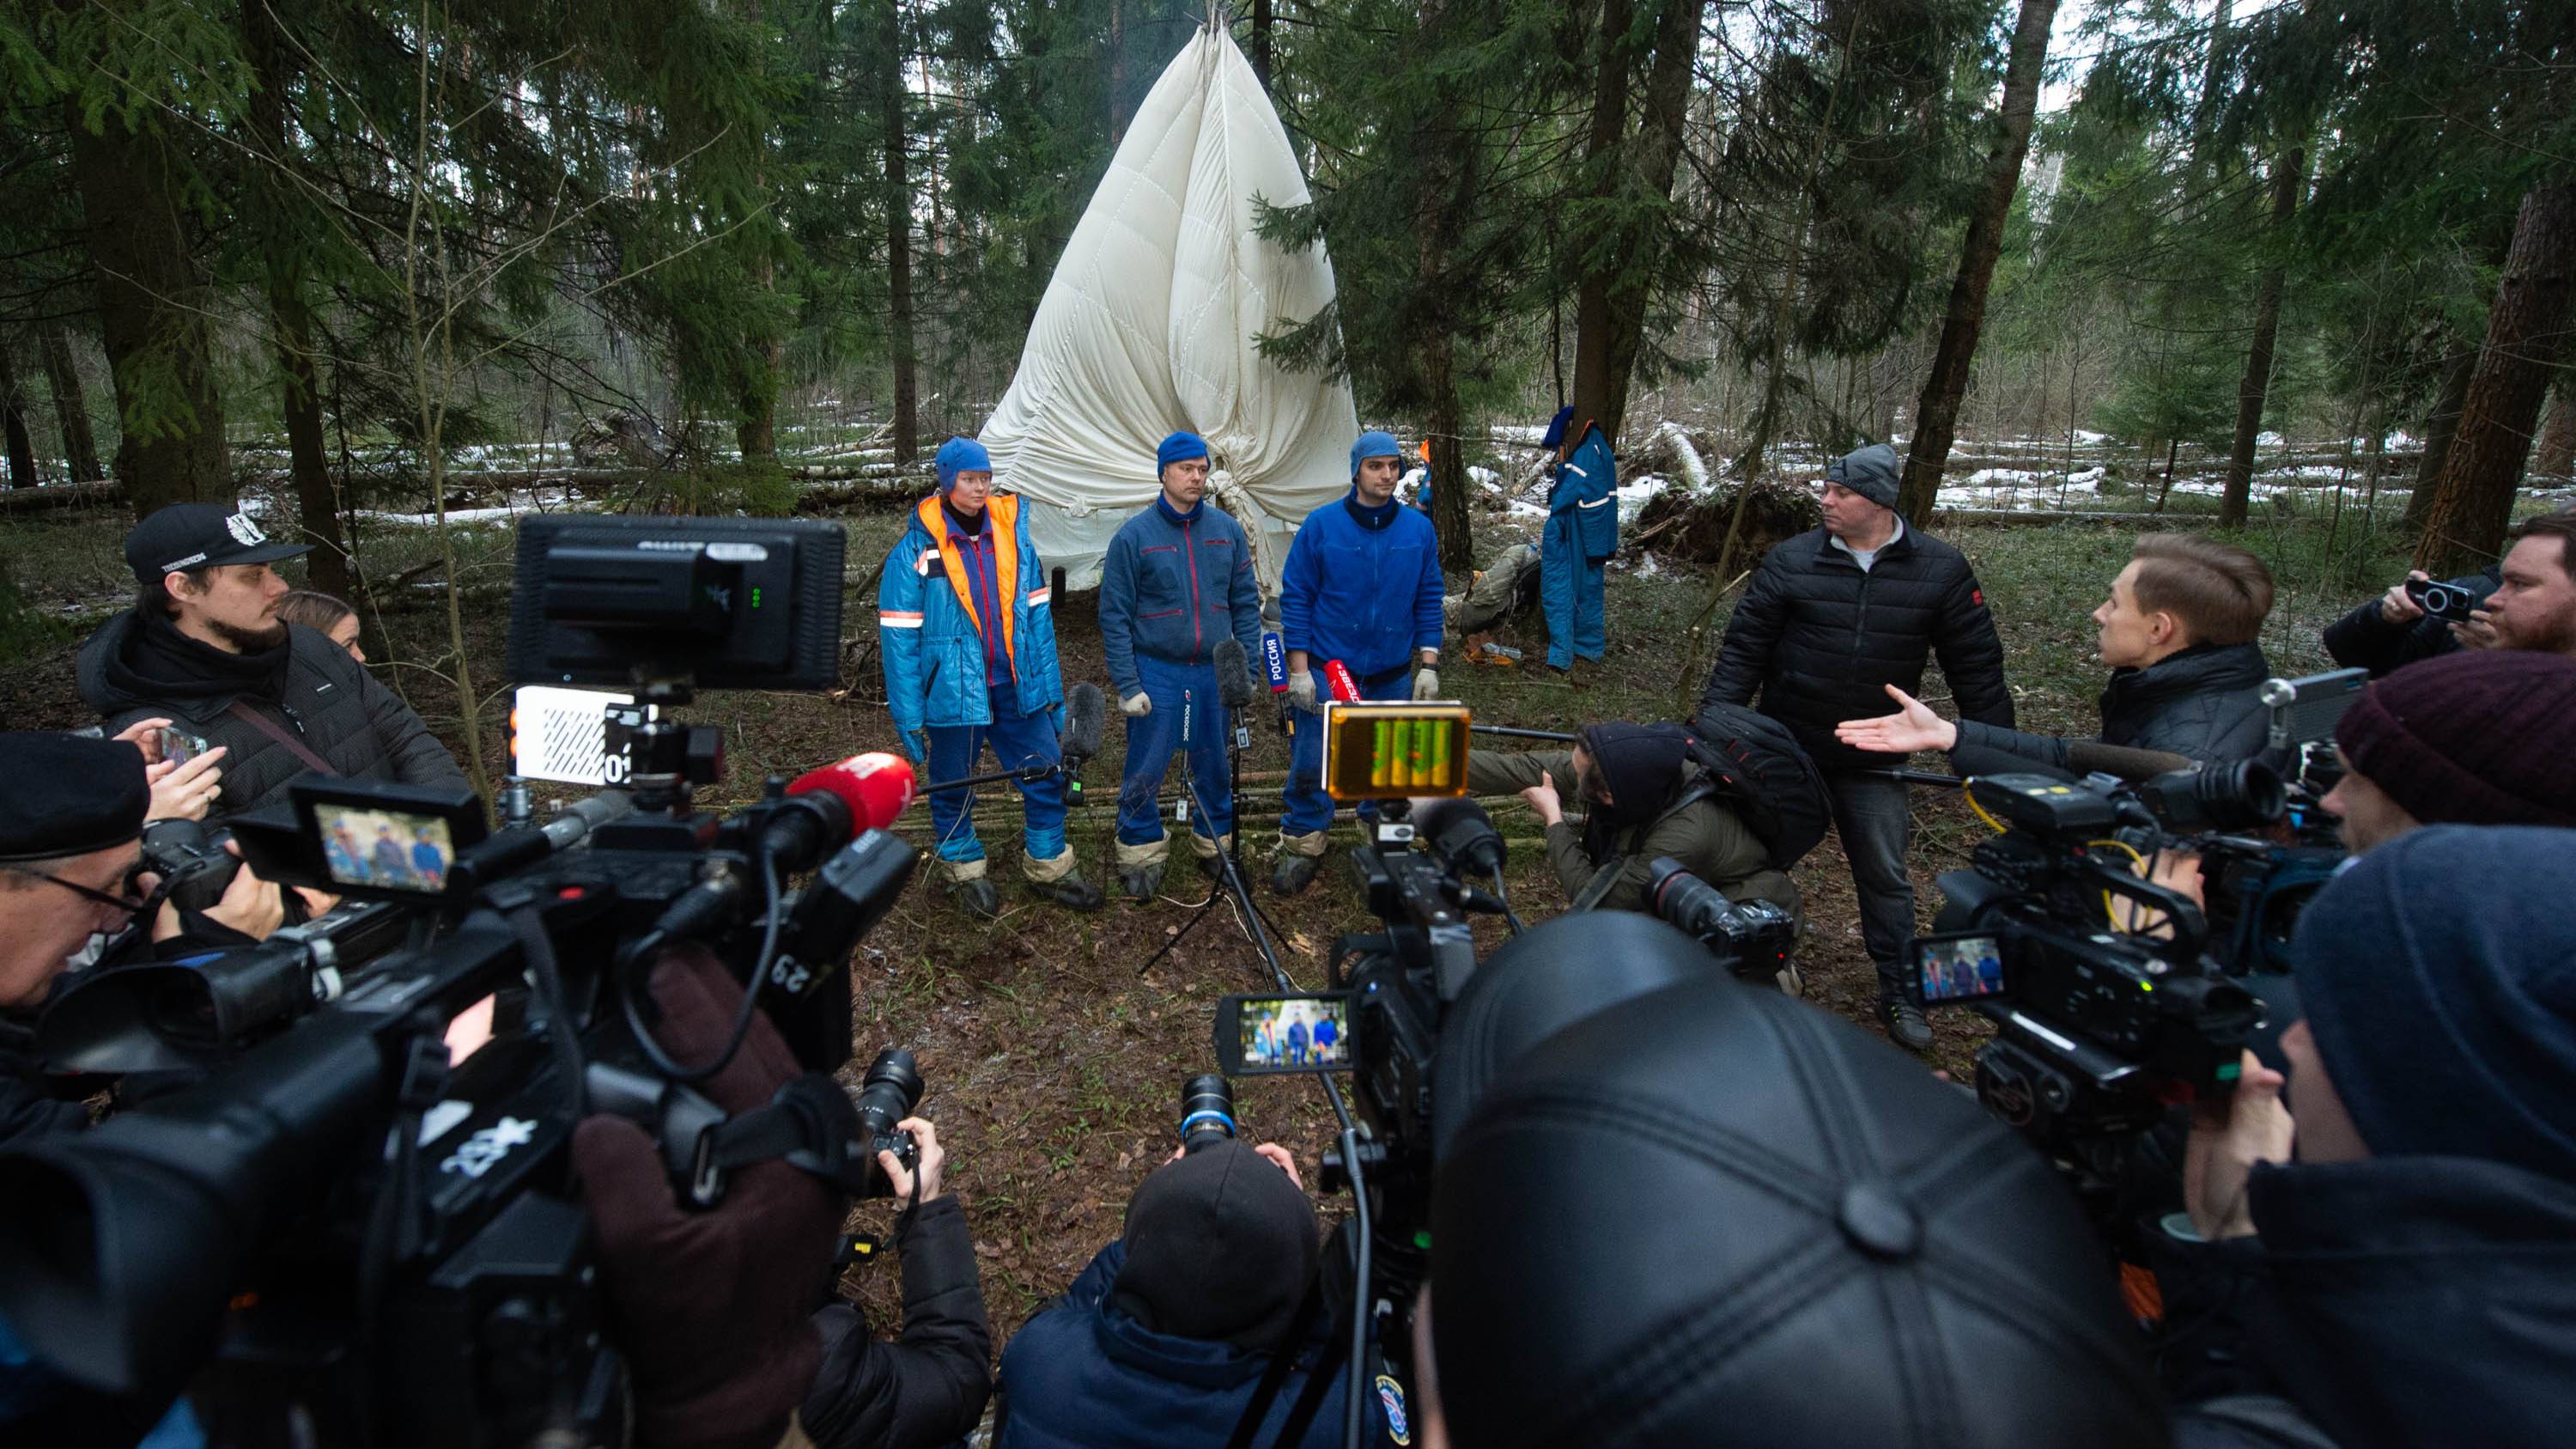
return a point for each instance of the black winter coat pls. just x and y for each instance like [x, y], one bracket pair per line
[928, 1387]
[1820, 640]
[2364, 639]
[2204, 702]
[2407, 1301]
[325, 698]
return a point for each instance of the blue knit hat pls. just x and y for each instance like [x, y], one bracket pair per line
[1374, 445]
[1179, 447]
[1556, 427]
[2438, 974]
[961, 455]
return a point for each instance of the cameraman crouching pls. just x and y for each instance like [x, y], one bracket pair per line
[2186, 675]
[2392, 1255]
[1647, 799]
[1167, 1336]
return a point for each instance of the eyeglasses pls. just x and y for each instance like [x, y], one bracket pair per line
[133, 904]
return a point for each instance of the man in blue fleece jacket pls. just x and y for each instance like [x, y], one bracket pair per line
[1177, 581]
[1362, 585]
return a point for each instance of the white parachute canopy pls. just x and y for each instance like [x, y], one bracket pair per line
[1148, 327]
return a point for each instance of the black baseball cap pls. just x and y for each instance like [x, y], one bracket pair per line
[186, 537]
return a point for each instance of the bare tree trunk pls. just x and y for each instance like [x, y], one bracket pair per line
[898, 204]
[151, 311]
[2527, 331]
[71, 403]
[1610, 306]
[755, 428]
[2256, 384]
[1261, 43]
[2556, 455]
[1435, 230]
[2438, 430]
[13, 423]
[1121, 110]
[308, 460]
[1937, 415]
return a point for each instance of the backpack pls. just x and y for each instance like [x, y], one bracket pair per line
[1760, 770]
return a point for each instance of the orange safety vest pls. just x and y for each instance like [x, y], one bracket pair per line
[1002, 517]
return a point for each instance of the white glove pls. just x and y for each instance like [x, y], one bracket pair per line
[1426, 683]
[1301, 690]
[1137, 705]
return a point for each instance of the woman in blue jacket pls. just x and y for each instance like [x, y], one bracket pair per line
[967, 630]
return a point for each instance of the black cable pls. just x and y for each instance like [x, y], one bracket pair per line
[663, 1061]
[1503, 893]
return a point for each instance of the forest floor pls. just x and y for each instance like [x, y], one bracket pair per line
[1054, 1064]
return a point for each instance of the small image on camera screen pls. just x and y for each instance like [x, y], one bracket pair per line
[1284, 1033]
[1964, 968]
[392, 850]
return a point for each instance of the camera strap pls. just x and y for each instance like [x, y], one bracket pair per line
[274, 731]
[1283, 1361]
[809, 1124]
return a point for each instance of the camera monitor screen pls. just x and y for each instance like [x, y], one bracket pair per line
[1959, 968]
[380, 841]
[730, 603]
[1307, 1032]
[1394, 751]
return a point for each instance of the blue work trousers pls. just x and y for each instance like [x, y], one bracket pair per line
[1018, 741]
[1569, 589]
[1308, 808]
[1188, 717]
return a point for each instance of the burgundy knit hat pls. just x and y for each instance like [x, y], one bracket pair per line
[2481, 737]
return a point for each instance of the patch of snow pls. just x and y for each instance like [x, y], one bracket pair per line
[2091, 439]
[2404, 439]
[1633, 495]
[2269, 440]
[1519, 433]
[1694, 467]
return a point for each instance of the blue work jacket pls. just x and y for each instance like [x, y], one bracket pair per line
[1587, 489]
[1171, 587]
[1362, 592]
[933, 635]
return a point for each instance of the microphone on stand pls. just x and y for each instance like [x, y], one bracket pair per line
[1086, 715]
[1274, 661]
[1234, 688]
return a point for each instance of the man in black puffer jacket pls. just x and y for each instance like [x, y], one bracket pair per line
[203, 646]
[2186, 675]
[1833, 618]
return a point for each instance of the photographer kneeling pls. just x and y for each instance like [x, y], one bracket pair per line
[1647, 799]
[1167, 1336]
[2186, 675]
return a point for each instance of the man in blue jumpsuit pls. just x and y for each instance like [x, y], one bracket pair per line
[1361, 585]
[1176, 582]
[1582, 532]
[967, 627]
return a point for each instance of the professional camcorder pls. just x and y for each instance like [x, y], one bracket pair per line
[347, 1228]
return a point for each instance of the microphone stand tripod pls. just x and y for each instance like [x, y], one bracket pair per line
[1229, 860]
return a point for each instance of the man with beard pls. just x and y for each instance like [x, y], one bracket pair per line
[203, 647]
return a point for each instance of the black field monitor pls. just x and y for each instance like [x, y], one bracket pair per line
[1257, 1035]
[724, 603]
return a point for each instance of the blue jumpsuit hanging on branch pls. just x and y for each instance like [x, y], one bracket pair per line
[1582, 533]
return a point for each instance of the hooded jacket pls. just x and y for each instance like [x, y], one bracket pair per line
[1819, 639]
[1082, 1373]
[1704, 835]
[2204, 702]
[134, 669]
[2407, 1301]
[928, 1385]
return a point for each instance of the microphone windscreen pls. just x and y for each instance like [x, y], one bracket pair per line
[1457, 827]
[875, 786]
[2088, 757]
[1233, 675]
[1086, 715]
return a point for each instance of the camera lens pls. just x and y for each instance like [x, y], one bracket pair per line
[2222, 797]
[1686, 902]
[1207, 1112]
[889, 1092]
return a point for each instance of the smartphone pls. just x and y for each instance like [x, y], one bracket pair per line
[1962, 966]
[179, 747]
[1283, 1032]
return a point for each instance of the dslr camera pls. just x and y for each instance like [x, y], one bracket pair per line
[341, 1228]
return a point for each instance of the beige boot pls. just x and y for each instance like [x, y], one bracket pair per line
[1057, 880]
[1300, 856]
[968, 886]
[1140, 868]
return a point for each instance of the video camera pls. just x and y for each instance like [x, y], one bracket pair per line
[383, 1238]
